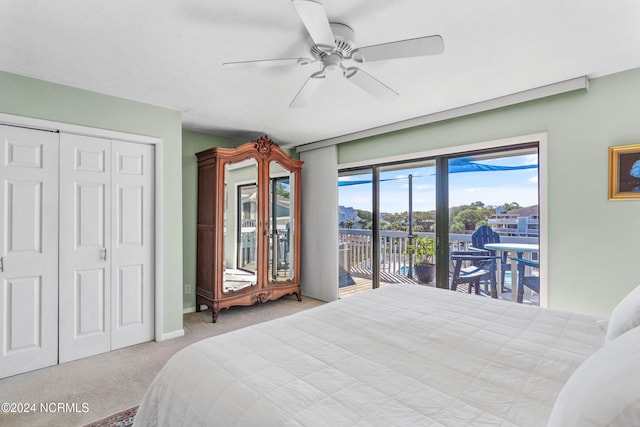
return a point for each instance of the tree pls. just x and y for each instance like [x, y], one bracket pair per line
[469, 217]
[457, 227]
[348, 224]
[365, 216]
[510, 206]
[481, 223]
[366, 219]
[398, 225]
[281, 191]
[426, 220]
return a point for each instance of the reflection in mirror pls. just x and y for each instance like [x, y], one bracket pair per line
[240, 225]
[281, 226]
[247, 220]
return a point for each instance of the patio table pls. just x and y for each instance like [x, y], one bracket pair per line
[509, 248]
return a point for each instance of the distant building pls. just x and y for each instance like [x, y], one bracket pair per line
[518, 222]
[347, 214]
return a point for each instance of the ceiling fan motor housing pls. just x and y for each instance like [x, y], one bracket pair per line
[345, 44]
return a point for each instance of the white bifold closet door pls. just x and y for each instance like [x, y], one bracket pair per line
[29, 252]
[106, 245]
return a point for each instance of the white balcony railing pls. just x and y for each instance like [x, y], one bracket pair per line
[356, 249]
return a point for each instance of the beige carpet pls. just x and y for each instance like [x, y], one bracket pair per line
[95, 387]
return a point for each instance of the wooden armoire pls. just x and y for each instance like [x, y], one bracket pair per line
[248, 233]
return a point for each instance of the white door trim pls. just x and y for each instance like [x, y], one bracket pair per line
[49, 125]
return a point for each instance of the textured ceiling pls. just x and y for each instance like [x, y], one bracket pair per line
[170, 53]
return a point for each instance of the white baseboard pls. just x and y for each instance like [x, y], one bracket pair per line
[170, 335]
[193, 309]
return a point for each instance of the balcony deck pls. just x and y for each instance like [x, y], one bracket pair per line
[355, 259]
[365, 284]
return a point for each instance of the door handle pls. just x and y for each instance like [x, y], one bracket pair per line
[1, 264]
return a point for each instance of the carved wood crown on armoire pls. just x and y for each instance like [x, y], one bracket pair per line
[248, 233]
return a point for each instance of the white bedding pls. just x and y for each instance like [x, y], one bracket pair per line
[398, 356]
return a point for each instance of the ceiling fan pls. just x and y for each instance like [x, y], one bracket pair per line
[334, 47]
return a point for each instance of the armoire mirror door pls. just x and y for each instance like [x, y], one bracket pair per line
[240, 225]
[281, 230]
[282, 223]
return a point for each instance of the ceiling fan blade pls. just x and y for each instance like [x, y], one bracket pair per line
[370, 84]
[315, 19]
[307, 90]
[262, 63]
[421, 46]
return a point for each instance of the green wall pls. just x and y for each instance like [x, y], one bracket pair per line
[592, 241]
[192, 142]
[23, 96]
[592, 251]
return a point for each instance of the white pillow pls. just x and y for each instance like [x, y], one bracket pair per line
[625, 316]
[605, 389]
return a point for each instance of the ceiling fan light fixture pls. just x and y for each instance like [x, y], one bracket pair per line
[332, 62]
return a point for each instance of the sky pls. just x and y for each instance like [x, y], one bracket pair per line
[490, 187]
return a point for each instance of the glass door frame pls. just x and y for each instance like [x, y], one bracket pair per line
[442, 202]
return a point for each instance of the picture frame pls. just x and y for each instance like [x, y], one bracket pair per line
[624, 172]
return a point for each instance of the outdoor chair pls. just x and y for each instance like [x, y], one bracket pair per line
[483, 235]
[531, 282]
[471, 267]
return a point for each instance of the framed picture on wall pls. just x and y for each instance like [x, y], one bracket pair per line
[624, 172]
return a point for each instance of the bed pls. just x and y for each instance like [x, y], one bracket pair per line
[402, 355]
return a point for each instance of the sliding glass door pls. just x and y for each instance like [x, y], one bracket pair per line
[397, 218]
[498, 189]
[356, 223]
[407, 222]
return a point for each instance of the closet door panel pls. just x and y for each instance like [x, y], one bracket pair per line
[132, 264]
[85, 246]
[29, 250]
